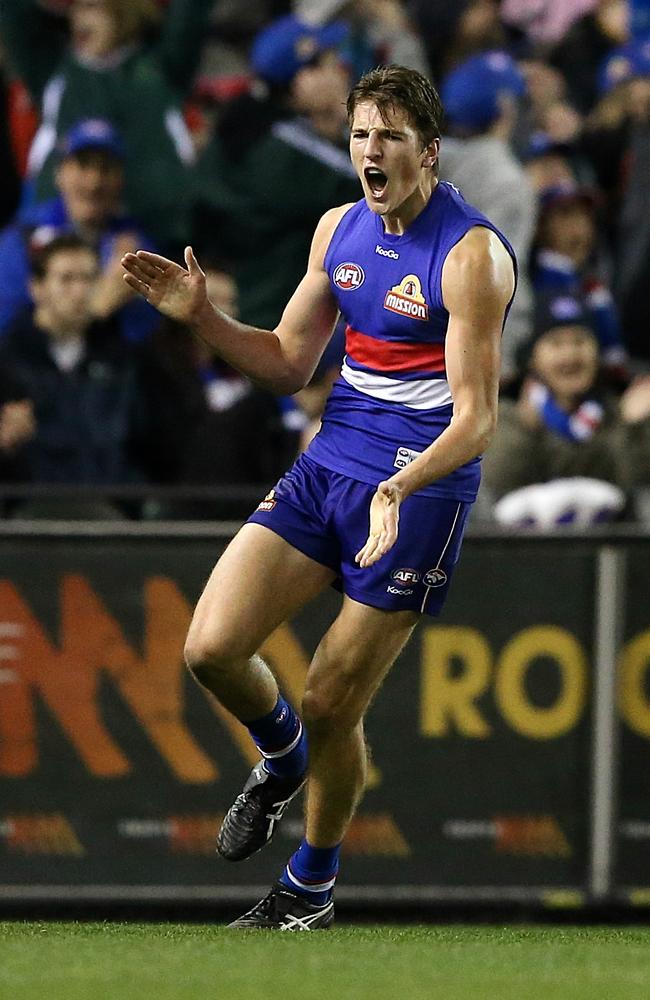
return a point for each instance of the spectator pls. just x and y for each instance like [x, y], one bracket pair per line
[79, 374]
[381, 31]
[275, 166]
[545, 22]
[635, 411]
[563, 425]
[631, 66]
[123, 66]
[90, 179]
[16, 429]
[481, 99]
[549, 109]
[610, 127]
[213, 426]
[547, 163]
[454, 30]
[581, 51]
[10, 188]
[566, 261]
[311, 400]
[633, 248]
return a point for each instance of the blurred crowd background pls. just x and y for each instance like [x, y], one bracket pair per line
[131, 124]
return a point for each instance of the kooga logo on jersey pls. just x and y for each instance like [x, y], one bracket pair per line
[407, 298]
[383, 252]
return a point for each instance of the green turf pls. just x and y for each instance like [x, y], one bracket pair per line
[125, 961]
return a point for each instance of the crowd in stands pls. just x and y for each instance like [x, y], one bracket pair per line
[155, 124]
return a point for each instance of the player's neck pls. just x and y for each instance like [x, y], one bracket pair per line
[396, 223]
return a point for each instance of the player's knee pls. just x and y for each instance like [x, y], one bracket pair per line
[209, 655]
[323, 711]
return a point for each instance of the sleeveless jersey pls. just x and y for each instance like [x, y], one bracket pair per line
[392, 398]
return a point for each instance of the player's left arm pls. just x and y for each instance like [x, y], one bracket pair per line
[477, 284]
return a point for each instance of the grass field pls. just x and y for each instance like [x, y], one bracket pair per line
[124, 961]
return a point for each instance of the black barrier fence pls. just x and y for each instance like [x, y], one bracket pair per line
[510, 741]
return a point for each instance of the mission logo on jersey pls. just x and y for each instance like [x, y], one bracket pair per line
[349, 276]
[407, 298]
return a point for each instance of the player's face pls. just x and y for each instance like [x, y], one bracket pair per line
[566, 359]
[392, 164]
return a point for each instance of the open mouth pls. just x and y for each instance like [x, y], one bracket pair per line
[376, 180]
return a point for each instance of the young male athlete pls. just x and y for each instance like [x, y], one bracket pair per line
[424, 282]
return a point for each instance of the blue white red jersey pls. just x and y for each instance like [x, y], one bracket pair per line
[392, 398]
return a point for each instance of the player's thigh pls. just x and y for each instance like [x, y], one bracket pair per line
[352, 660]
[259, 582]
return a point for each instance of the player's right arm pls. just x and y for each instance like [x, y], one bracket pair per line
[281, 360]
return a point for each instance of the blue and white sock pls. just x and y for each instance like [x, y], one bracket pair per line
[312, 872]
[281, 739]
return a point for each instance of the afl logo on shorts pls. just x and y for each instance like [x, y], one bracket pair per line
[435, 578]
[405, 575]
[349, 276]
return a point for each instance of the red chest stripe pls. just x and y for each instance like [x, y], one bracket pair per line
[393, 355]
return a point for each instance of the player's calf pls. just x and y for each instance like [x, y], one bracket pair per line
[252, 819]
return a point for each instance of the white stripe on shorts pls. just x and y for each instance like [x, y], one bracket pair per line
[442, 555]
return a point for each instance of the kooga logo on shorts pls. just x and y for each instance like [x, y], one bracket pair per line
[349, 276]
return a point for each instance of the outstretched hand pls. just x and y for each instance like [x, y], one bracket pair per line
[384, 522]
[177, 292]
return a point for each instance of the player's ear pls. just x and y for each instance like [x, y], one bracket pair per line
[431, 153]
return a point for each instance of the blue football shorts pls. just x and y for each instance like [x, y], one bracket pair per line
[325, 515]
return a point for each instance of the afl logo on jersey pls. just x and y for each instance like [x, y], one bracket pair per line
[349, 276]
[407, 298]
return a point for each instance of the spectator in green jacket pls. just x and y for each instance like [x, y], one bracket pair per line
[121, 65]
[275, 165]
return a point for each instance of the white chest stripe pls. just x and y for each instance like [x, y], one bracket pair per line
[419, 394]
